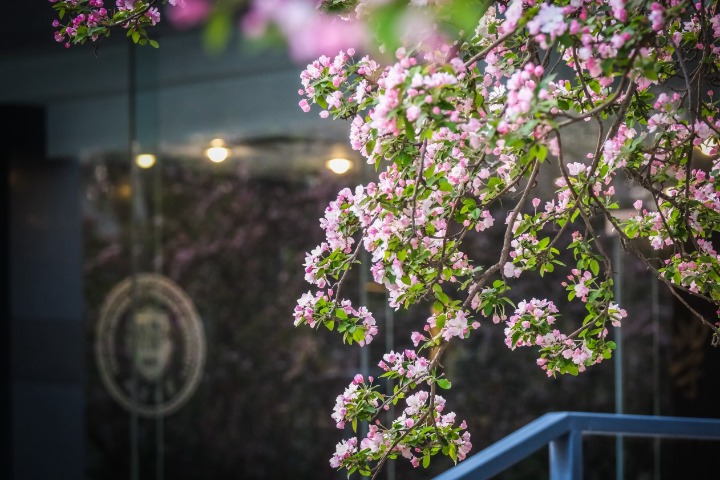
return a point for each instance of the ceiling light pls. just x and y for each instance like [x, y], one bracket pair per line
[338, 165]
[217, 152]
[145, 160]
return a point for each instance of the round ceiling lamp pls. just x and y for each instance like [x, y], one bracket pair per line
[145, 160]
[338, 165]
[218, 151]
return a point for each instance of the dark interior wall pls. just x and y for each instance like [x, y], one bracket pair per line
[5, 402]
[43, 388]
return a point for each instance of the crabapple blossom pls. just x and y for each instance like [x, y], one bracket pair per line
[459, 127]
[450, 136]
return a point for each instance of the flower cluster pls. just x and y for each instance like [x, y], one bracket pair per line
[452, 137]
[310, 33]
[453, 133]
[531, 323]
[405, 366]
[421, 431]
[459, 129]
[355, 325]
[360, 401]
[89, 20]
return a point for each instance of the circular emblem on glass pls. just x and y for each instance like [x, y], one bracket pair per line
[150, 345]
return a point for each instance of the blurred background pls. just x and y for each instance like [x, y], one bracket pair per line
[187, 186]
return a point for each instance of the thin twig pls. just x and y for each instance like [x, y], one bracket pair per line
[507, 239]
[482, 54]
[420, 168]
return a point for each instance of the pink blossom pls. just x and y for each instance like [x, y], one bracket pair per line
[509, 270]
[616, 314]
[575, 168]
[618, 10]
[549, 20]
[464, 446]
[415, 402]
[417, 338]
[657, 17]
[189, 13]
[412, 113]
[456, 325]
[309, 33]
[343, 450]
[512, 16]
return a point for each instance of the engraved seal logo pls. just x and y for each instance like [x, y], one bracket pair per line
[150, 345]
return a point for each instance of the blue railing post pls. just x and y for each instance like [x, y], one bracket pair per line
[566, 457]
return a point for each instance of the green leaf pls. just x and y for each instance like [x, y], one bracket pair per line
[154, 44]
[135, 36]
[465, 14]
[443, 383]
[426, 461]
[358, 335]
[444, 185]
[410, 131]
[539, 152]
[439, 294]
[386, 20]
[217, 31]
[452, 451]
[594, 267]
[650, 73]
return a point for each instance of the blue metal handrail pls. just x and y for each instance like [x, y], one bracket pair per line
[563, 432]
